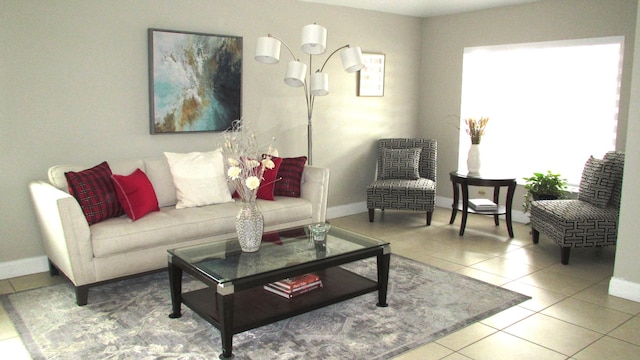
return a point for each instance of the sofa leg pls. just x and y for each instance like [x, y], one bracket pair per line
[429, 215]
[371, 215]
[535, 235]
[53, 270]
[82, 295]
[564, 255]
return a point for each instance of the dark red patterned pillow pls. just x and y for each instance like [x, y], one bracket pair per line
[290, 172]
[94, 191]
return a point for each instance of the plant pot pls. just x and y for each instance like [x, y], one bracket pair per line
[544, 197]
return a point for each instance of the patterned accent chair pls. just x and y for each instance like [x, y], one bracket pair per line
[406, 177]
[591, 219]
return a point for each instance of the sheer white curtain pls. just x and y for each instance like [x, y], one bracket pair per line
[550, 105]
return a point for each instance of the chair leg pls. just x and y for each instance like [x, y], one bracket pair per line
[564, 255]
[371, 215]
[429, 215]
[535, 235]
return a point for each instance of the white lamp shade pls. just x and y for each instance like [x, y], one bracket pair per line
[314, 39]
[267, 50]
[352, 59]
[319, 84]
[295, 75]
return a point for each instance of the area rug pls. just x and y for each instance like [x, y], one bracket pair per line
[128, 319]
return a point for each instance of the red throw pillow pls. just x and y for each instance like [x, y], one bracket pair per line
[291, 173]
[267, 186]
[95, 193]
[273, 237]
[136, 194]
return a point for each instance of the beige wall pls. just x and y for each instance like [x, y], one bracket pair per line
[626, 276]
[74, 89]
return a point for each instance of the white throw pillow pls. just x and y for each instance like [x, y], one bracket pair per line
[199, 178]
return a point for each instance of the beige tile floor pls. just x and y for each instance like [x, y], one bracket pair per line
[570, 315]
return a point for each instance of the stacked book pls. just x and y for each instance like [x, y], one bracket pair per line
[482, 205]
[297, 285]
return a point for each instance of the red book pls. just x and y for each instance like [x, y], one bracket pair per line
[290, 284]
[300, 288]
[293, 294]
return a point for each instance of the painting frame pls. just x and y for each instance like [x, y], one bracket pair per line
[195, 81]
[371, 79]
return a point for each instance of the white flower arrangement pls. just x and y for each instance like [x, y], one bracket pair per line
[245, 161]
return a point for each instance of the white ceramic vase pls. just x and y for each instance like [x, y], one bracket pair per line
[473, 159]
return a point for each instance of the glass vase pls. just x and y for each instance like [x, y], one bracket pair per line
[249, 226]
[473, 159]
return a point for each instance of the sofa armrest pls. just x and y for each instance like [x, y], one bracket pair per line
[315, 188]
[65, 231]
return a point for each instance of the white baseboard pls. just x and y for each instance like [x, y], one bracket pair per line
[441, 202]
[624, 289]
[346, 210]
[15, 268]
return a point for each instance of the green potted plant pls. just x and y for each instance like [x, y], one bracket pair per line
[541, 186]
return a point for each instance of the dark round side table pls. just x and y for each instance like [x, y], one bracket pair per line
[463, 181]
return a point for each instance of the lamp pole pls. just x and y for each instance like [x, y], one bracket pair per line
[311, 100]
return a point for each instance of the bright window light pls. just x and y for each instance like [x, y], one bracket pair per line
[550, 105]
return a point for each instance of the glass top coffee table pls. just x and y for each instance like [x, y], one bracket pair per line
[235, 300]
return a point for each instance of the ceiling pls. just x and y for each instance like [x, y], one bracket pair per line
[421, 8]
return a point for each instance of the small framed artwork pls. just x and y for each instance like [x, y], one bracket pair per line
[371, 78]
[195, 81]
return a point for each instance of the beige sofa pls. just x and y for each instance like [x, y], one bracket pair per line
[119, 247]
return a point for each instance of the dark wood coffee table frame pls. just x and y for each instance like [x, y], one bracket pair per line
[234, 307]
[465, 180]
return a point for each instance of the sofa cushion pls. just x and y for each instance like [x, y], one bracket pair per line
[57, 178]
[290, 176]
[401, 163]
[199, 178]
[596, 184]
[171, 226]
[95, 193]
[135, 193]
[159, 174]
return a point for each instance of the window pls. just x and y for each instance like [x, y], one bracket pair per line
[550, 105]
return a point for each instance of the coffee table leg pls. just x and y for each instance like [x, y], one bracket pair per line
[225, 309]
[175, 283]
[383, 276]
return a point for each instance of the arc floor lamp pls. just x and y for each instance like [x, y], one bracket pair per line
[314, 42]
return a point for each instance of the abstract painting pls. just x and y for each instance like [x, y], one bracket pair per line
[195, 81]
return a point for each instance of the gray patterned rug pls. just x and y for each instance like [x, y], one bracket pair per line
[128, 319]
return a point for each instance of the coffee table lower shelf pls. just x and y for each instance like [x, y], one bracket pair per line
[257, 307]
